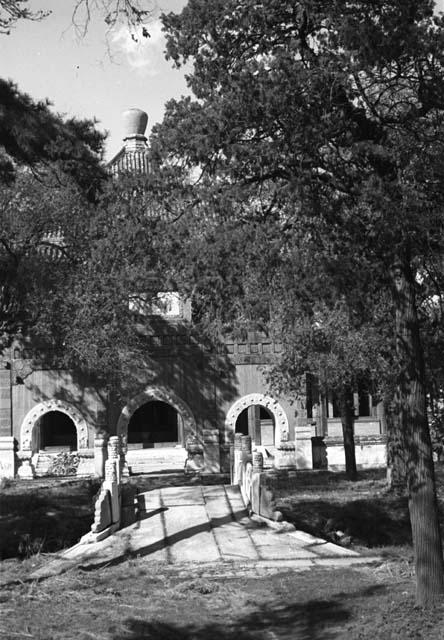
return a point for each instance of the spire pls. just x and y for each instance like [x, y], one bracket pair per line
[135, 121]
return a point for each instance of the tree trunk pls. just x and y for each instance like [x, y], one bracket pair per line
[348, 424]
[396, 464]
[412, 418]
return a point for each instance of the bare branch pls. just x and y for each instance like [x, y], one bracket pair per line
[134, 14]
[13, 10]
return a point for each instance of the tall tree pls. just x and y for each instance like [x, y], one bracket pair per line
[32, 135]
[334, 109]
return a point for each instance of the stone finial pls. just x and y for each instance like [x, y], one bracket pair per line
[135, 122]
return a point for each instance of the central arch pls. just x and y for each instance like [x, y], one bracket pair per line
[156, 394]
[271, 405]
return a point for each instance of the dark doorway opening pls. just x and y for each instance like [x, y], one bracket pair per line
[257, 422]
[153, 425]
[57, 432]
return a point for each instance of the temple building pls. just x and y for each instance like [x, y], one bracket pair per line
[184, 414]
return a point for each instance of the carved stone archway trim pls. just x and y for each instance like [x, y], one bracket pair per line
[32, 417]
[156, 394]
[269, 403]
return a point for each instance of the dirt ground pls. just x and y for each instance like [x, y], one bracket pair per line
[137, 600]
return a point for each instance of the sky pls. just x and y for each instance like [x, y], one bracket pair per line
[98, 75]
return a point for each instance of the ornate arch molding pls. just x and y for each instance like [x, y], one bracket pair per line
[32, 417]
[159, 394]
[269, 403]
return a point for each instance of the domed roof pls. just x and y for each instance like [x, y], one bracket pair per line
[134, 122]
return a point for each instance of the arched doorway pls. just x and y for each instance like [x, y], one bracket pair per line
[40, 427]
[253, 412]
[57, 432]
[257, 422]
[155, 424]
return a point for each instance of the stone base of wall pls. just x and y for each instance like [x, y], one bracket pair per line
[7, 457]
[156, 460]
[370, 451]
[86, 466]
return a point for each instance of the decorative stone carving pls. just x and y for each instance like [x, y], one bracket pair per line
[160, 394]
[285, 456]
[279, 415]
[111, 474]
[114, 447]
[32, 417]
[258, 462]
[195, 459]
[237, 441]
[246, 444]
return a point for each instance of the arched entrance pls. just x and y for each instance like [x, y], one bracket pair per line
[260, 416]
[257, 422]
[155, 425]
[57, 432]
[53, 423]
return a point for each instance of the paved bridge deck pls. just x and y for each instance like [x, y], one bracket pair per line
[203, 526]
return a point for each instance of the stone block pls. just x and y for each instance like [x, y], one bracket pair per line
[211, 457]
[304, 453]
[86, 463]
[114, 493]
[7, 457]
[267, 505]
[102, 513]
[100, 455]
[284, 456]
[256, 493]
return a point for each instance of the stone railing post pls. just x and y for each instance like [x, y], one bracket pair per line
[258, 467]
[100, 454]
[246, 469]
[114, 453]
[123, 451]
[246, 448]
[237, 458]
[258, 462]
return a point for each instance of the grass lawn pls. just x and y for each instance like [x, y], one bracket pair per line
[137, 600]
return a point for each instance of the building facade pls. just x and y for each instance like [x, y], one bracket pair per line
[184, 411]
